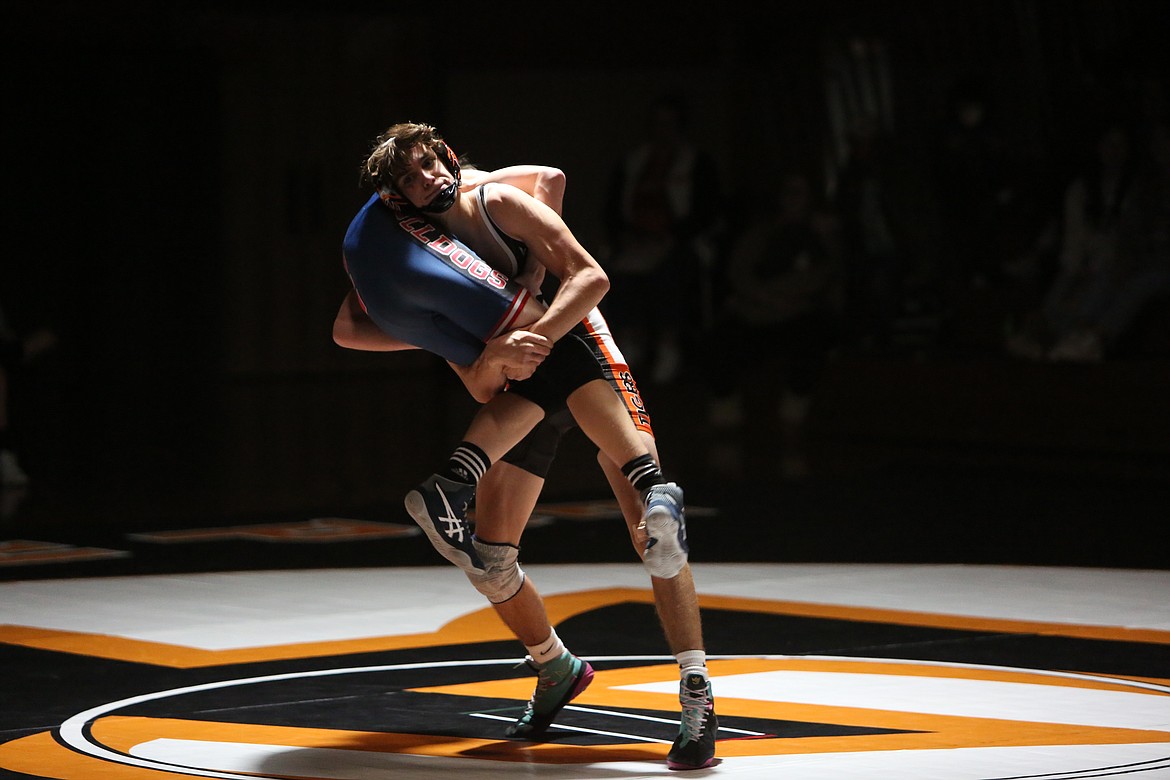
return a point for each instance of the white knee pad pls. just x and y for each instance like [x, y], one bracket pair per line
[502, 576]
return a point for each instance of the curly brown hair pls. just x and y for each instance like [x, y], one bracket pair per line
[392, 151]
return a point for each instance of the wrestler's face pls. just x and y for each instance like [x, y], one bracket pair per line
[425, 176]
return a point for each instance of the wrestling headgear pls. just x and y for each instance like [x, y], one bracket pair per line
[445, 199]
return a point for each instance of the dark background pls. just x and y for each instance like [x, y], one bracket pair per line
[178, 177]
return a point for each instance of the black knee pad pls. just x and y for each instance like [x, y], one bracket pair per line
[536, 451]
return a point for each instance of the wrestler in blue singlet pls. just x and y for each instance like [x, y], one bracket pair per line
[424, 287]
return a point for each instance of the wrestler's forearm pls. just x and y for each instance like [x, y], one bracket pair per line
[583, 282]
[545, 184]
[514, 355]
[549, 188]
[578, 294]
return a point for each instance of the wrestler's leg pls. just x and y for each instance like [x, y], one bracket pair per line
[507, 495]
[675, 599]
[502, 422]
[439, 504]
[603, 417]
[678, 611]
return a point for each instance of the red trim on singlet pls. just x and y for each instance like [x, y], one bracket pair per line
[508, 321]
[358, 295]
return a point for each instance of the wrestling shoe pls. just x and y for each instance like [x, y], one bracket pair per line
[694, 748]
[439, 506]
[665, 524]
[557, 683]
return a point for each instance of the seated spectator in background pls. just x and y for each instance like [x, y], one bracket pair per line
[1141, 267]
[1114, 252]
[663, 212]
[972, 186]
[14, 352]
[779, 320]
[876, 210]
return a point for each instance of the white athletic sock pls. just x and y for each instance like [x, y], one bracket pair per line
[692, 662]
[548, 650]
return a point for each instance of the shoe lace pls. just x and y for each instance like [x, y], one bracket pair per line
[694, 713]
[544, 678]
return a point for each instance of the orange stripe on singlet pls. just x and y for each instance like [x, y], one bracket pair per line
[623, 379]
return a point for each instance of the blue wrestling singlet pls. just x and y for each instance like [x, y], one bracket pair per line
[425, 287]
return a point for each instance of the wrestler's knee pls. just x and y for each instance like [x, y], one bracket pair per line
[501, 578]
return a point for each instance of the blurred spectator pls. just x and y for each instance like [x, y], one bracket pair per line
[663, 213]
[1093, 297]
[1141, 269]
[870, 200]
[779, 320]
[14, 352]
[972, 186]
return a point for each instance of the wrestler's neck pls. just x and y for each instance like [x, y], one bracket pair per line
[459, 217]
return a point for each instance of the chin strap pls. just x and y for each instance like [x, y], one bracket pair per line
[444, 200]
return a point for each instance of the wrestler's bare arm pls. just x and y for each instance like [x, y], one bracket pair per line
[514, 355]
[583, 283]
[541, 182]
[544, 183]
